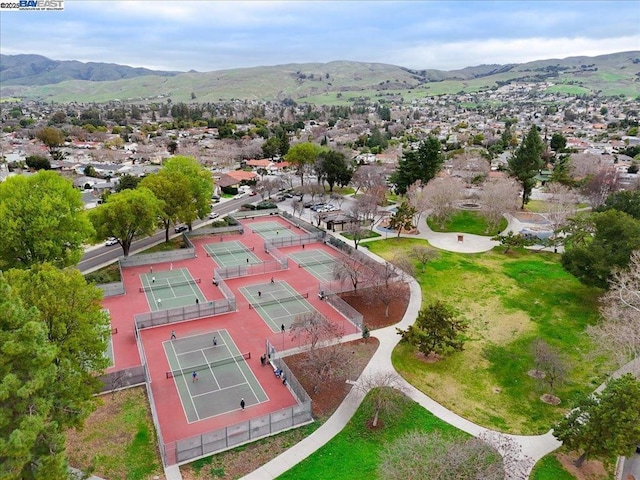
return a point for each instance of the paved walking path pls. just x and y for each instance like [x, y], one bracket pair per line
[532, 448]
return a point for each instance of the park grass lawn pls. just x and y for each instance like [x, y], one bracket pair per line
[172, 244]
[355, 452]
[108, 274]
[118, 439]
[549, 468]
[343, 190]
[509, 301]
[536, 206]
[466, 221]
[365, 234]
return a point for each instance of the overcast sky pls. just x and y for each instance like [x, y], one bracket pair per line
[215, 35]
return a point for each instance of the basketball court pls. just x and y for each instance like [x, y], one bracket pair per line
[211, 377]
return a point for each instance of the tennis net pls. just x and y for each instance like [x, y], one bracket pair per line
[205, 366]
[230, 251]
[316, 262]
[276, 301]
[269, 228]
[162, 286]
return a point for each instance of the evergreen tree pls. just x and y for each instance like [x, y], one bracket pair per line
[527, 162]
[421, 164]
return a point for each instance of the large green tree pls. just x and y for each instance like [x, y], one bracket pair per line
[53, 138]
[42, 219]
[173, 189]
[593, 256]
[302, 156]
[334, 168]
[51, 354]
[421, 164]
[627, 201]
[527, 162]
[402, 219]
[604, 424]
[436, 330]
[127, 215]
[200, 184]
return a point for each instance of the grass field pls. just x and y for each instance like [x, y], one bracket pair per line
[356, 449]
[549, 468]
[466, 221]
[509, 301]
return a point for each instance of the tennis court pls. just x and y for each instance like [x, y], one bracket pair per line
[317, 262]
[231, 254]
[277, 303]
[171, 289]
[211, 377]
[109, 352]
[271, 229]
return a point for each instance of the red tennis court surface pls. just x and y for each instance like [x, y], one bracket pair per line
[245, 326]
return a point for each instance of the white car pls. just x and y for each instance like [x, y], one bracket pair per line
[213, 215]
[111, 241]
[240, 195]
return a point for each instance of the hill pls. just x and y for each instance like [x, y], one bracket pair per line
[325, 83]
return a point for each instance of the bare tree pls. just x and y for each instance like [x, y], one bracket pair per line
[551, 368]
[404, 266]
[297, 206]
[365, 208]
[313, 327]
[435, 456]
[443, 195]
[560, 206]
[326, 364]
[268, 185]
[337, 199]
[618, 334]
[582, 165]
[423, 255]
[600, 185]
[498, 197]
[470, 167]
[385, 285]
[347, 268]
[516, 464]
[385, 392]
[356, 231]
[368, 178]
[417, 198]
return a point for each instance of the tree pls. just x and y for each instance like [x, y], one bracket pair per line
[127, 182]
[598, 186]
[71, 340]
[402, 219]
[618, 334]
[200, 187]
[348, 268]
[127, 215]
[436, 457]
[513, 240]
[369, 178]
[270, 147]
[423, 255]
[31, 445]
[385, 392]
[38, 162]
[172, 189]
[604, 424]
[421, 164]
[302, 156]
[418, 199]
[53, 138]
[615, 236]
[558, 142]
[436, 330]
[550, 367]
[328, 363]
[559, 207]
[313, 327]
[527, 162]
[442, 195]
[498, 197]
[43, 220]
[333, 168]
[627, 201]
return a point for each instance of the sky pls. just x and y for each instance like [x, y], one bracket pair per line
[216, 35]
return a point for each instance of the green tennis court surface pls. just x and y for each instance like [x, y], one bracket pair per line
[171, 289]
[222, 378]
[271, 229]
[320, 264]
[231, 254]
[277, 303]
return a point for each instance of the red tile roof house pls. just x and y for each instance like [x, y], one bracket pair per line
[233, 179]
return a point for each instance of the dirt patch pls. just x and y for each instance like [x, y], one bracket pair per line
[590, 469]
[373, 310]
[550, 399]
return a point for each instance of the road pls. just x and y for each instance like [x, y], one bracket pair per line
[98, 257]
[631, 469]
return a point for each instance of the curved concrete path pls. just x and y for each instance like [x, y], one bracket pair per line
[531, 448]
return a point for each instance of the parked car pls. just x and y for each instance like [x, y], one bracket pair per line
[181, 228]
[111, 241]
[239, 195]
[213, 215]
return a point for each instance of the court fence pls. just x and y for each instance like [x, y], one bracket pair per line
[303, 224]
[128, 377]
[277, 254]
[294, 385]
[305, 239]
[231, 229]
[148, 258]
[190, 312]
[350, 313]
[254, 213]
[246, 270]
[111, 289]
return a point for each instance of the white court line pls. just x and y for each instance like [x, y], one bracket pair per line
[210, 369]
[241, 371]
[221, 389]
[186, 385]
